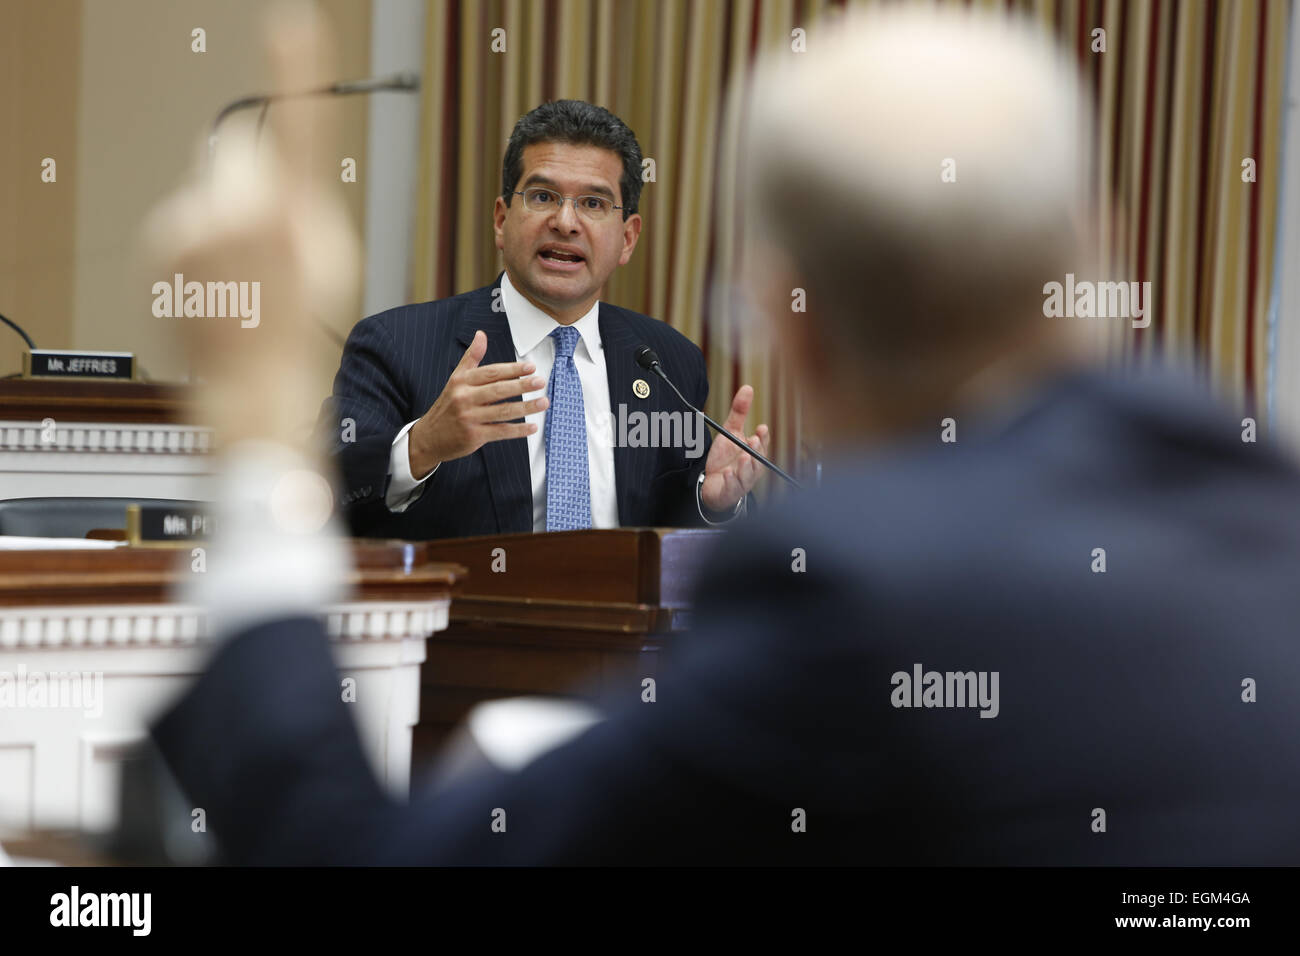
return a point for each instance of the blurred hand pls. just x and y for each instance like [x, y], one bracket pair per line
[465, 416]
[730, 473]
[256, 216]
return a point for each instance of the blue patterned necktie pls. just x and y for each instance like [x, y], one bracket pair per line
[568, 486]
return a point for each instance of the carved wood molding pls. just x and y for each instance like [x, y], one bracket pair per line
[104, 438]
[164, 625]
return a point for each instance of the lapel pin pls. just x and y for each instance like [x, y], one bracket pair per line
[641, 388]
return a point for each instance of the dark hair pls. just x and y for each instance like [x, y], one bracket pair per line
[578, 123]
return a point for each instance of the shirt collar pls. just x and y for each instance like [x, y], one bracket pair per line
[529, 324]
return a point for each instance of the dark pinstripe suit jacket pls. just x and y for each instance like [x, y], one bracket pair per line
[395, 365]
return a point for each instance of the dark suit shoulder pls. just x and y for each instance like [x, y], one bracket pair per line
[404, 318]
[658, 334]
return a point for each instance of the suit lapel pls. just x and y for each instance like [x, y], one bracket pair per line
[619, 343]
[506, 462]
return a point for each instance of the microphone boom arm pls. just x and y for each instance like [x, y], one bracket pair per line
[401, 83]
[658, 370]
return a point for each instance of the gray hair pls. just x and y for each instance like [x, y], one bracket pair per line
[924, 170]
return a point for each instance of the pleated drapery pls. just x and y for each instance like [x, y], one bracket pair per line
[1189, 102]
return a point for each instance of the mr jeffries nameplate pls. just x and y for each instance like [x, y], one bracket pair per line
[51, 363]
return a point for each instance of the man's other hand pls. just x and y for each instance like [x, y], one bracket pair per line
[730, 473]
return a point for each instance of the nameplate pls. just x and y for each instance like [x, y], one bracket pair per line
[54, 363]
[161, 525]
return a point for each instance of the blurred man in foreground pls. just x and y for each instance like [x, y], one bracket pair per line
[1035, 644]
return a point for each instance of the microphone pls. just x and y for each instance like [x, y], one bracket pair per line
[648, 360]
[18, 328]
[398, 82]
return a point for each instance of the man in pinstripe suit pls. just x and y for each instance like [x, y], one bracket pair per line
[440, 409]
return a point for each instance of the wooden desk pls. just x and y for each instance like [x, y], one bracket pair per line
[580, 613]
[575, 613]
[106, 618]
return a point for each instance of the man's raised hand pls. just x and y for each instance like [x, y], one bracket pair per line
[257, 215]
[473, 409]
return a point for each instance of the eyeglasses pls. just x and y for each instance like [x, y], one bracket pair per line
[591, 208]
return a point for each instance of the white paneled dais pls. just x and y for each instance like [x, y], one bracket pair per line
[80, 685]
